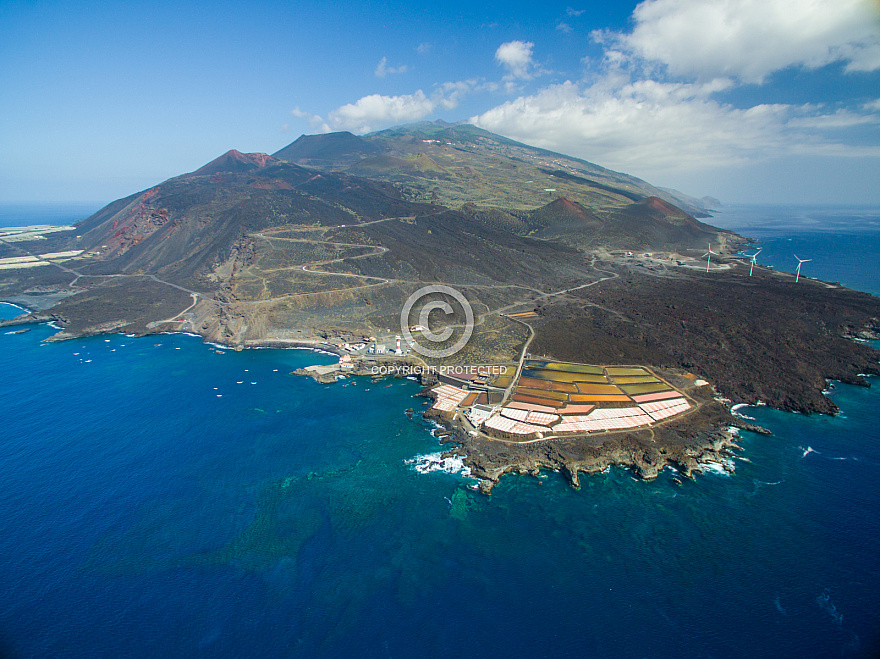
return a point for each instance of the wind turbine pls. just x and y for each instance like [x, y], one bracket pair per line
[709, 254]
[754, 260]
[800, 263]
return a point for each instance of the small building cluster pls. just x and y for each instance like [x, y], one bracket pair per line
[371, 346]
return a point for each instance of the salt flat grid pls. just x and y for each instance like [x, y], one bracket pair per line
[530, 406]
[506, 425]
[646, 398]
[565, 412]
[529, 416]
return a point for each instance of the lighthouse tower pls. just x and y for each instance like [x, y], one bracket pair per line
[397, 348]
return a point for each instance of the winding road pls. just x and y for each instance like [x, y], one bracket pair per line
[308, 268]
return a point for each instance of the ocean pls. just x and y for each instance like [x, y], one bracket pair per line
[161, 499]
[28, 214]
[842, 243]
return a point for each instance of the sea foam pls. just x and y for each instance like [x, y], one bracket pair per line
[735, 410]
[723, 468]
[436, 462]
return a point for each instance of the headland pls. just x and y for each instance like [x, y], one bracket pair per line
[611, 325]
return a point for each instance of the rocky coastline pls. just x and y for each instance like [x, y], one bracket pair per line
[706, 436]
[375, 367]
[686, 445]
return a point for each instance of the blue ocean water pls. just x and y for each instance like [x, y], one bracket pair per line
[160, 499]
[842, 243]
[22, 215]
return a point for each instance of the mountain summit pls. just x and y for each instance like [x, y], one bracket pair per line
[337, 229]
[329, 148]
[235, 162]
[476, 161]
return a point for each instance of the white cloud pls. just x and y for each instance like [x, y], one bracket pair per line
[750, 39]
[574, 12]
[382, 68]
[653, 128]
[316, 123]
[366, 113]
[449, 94]
[861, 56]
[424, 48]
[565, 28]
[632, 117]
[376, 110]
[835, 120]
[516, 57]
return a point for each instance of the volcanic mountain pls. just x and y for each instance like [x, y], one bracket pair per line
[329, 149]
[327, 240]
[235, 162]
[331, 235]
[188, 227]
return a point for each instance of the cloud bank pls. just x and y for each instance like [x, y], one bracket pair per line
[376, 110]
[653, 127]
[653, 103]
[750, 39]
[652, 106]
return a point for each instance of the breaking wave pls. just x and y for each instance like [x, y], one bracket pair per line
[452, 464]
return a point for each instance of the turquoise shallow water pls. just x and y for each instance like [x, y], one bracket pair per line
[155, 502]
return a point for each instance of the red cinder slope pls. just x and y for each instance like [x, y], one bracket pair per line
[235, 162]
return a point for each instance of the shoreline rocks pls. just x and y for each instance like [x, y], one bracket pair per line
[686, 445]
[703, 437]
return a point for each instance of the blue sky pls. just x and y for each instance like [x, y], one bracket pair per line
[745, 100]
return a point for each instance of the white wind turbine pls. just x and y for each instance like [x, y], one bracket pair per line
[754, 260]
[800, 263]
[709, 254]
